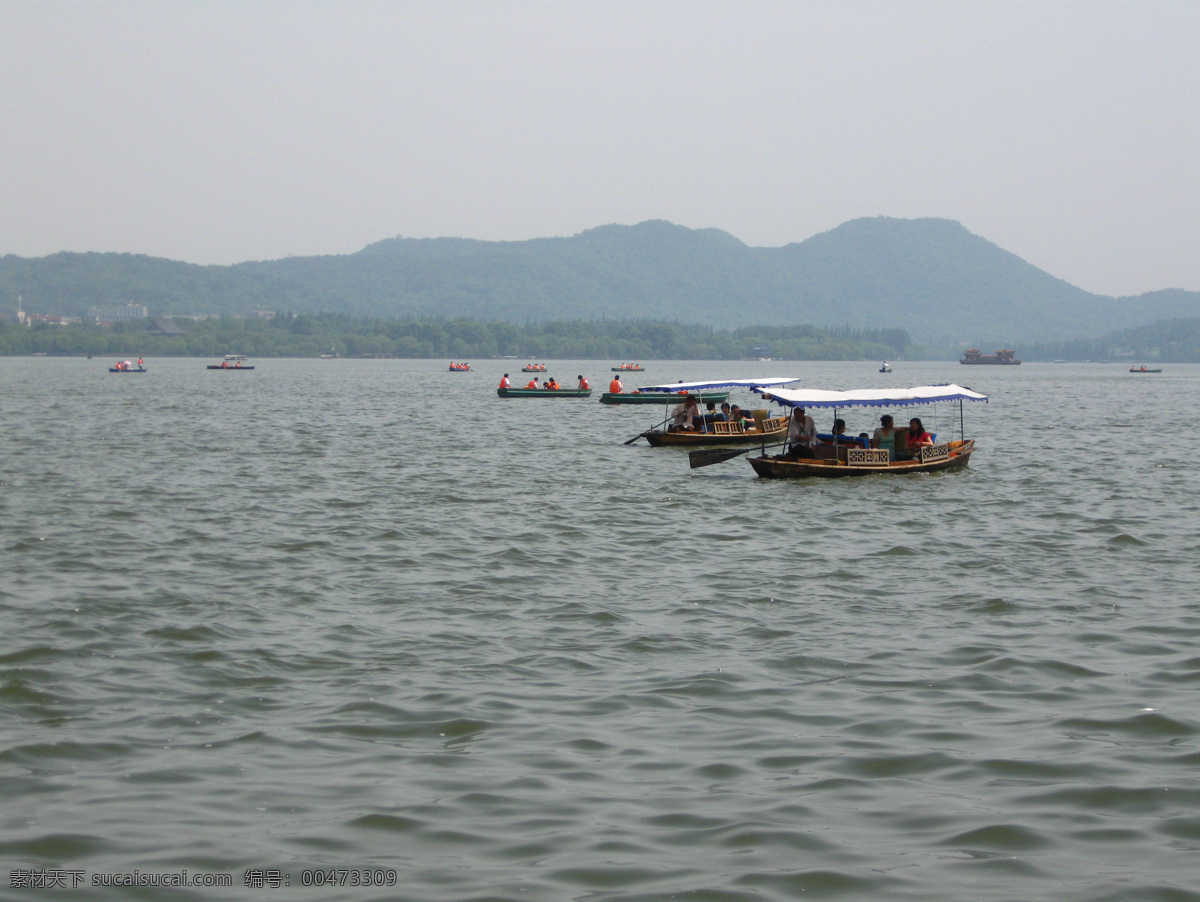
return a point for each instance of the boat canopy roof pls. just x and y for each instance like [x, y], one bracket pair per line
[718, 383]
[871, 397]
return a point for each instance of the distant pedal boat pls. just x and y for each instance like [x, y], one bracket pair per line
[232, 362]
[544, 392]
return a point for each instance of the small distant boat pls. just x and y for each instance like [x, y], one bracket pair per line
[885, 368]
[534, 368]
[231, 362]
[544, 392]
[460, 367]
[126, 366]
[1143, 369]
[629, 368]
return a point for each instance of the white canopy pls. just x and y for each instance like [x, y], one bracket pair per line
[719, 383]
[870, 397]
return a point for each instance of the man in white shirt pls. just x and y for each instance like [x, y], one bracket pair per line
[802, 433]
[684, 415]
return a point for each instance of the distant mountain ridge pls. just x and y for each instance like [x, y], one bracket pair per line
[932, 277]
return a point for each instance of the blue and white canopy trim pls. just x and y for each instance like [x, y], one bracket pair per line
[869, 397]
[719, 383]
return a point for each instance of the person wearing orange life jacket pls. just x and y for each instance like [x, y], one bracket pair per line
[583, 384]
[552, 385]
[504, 381]
[532, 383]
[615, 387]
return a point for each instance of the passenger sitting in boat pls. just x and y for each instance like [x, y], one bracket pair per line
[737, 415]
[224, 364]
[504, 381]
[710, 413]
[532, 383]
[552, 385]
[725, 413]
[615, 387]
[917, 436]
[802, 432]
[583, 383]
[885, 436]
[684, 416]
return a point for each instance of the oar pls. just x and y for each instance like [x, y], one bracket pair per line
[638, 436]
[646, 433]
[698, 459]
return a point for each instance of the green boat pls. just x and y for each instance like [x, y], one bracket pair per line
[544, 392]
[655, 397]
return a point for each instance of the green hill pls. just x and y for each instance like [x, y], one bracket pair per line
[932, 277]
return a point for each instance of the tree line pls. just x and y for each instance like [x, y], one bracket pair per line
[313, 334]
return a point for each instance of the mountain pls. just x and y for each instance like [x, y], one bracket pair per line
[932, 277]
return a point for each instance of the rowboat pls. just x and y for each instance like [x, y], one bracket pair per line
[534, 368]
[544, 392]
[628, 368]
[834, 461]
[127, 369]
[460, 367]
[707, 431]
[232, 362]
[649, 397]
[1142, 369]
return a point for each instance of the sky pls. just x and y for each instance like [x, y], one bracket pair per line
[1067, 133]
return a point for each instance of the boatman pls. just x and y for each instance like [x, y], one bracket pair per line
[802, 432]
[614, 387]
[504, 381]
[583, 384]
[683, 417]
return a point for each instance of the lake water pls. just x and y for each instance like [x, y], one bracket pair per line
[364, 616]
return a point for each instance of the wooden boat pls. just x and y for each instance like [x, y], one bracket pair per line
[544, 392]
[130, 369]
[232, 362]
[534, 368]
[1003, 357]
[649, 397]
[836, 461]
[710, 432]
[629, 368]
[766, 430]
[466, 368]
[1142, 369]
[851, 461]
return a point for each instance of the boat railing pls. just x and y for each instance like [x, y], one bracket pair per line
[931, 453]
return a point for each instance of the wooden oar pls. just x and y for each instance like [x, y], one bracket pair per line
[638, 436]
[716, 455]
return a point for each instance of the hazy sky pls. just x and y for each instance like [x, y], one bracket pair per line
[218, 132]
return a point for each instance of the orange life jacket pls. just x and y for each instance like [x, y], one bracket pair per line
[615, 387]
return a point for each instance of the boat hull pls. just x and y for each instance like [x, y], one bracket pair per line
[113, 369]
[217, 366]
[544, 392]
[628, 369]
[652, 397]
[708, 439]
[1138, 372]
[770, 467]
